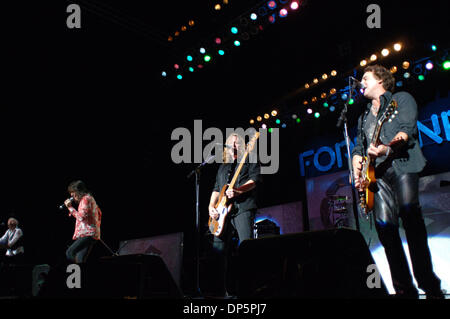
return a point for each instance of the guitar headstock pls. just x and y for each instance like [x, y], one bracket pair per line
[390, 112]
[251, 143]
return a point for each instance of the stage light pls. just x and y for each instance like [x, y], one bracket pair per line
[294, 5]
[406, 75]
[221, 52]
[283, 13]
[253, 16]
[317, 115]
[433, 47]
[202, 50]
[333, 73]
[323, 95]
[176, 66]
[309, 111]
[259, 118]
[399, 83]
[237, 43]
[324, 76]
[344, 96]
[207, 58]
[274, 113]
[315, 81]
[170, 38]
[218, 40]
[429, 65]
[266, 116]
[294, 116]
[272, 5]
[332, 108]
[393, 69]
[305, 102]
[446, 65]
[200, 66]
[314, 99]
[278, 121]
[217, 7]
[183, 28]
[325, 104]
[264, 126]
[179, 77]
[189, 58]
[163, 73]
[306, 86]
[270, 130]
[385, 52]
[333, 91]
[252, 121]
[283, 126]
[351, 101]
[421, 77]
[298, 120]
[405, 65]
[363, 62]
[191, 69]
[191, 23]
[177, 33]
[397, 47]
[234, 30]
[272, 18]
[373, 57]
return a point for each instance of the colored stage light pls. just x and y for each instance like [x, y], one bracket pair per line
[315, 81]
[264, 126]
[272, 5]
[406, 75]
[393, 69]
[252, 121]
[176, 66]
[207, 58]
[325, 104]
[333, 73]
[317, 115]
[270, 130]
[397, 47]
[309, 111]
[274, 113]
[324, 76]
[305, 102]
[306, 86]
[298, 120]
[429, 65]
[373, 57]
[237, 43]
[259, 118]
[294, 116]
[446, 65]
[421, 77]
[363, 63]
[294, 5]
[217, 7]
[189, 58]
[278, 121]
[351, 101]
[221, 52]
[179, 77]
[385, 52]
[266, 116]
[191, 23]
[433, 47]
[333, 91]
[272, 18]
[253, 16]
[202, 50]
[283, 126]
[183, 28]
[218, 40]
[344, 96]
[234, 30]
[191, 69]
[405, 65]
[332, 108]
[283, 13]
[323, 95]
[163, 73]
[399, 83]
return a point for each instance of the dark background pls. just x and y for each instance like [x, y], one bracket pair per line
[90, 104]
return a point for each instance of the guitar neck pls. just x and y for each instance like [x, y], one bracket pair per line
[233, 181]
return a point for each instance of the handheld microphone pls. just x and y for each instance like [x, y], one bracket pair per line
[62, 206]
[357, 84]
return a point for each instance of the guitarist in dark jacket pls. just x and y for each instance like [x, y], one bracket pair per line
[398, 159]
[243, 198]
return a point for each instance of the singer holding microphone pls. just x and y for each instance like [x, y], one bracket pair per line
[87, 225]
[398, 160]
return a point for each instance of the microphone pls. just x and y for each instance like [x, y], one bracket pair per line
[357, 84]
[62, 206]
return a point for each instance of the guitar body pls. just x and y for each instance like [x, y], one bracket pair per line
[369, 182]
[217, 226]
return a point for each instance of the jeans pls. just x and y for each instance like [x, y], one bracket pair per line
[398, 197]
[80, 249]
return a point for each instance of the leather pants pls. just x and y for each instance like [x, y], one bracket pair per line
[398, 197]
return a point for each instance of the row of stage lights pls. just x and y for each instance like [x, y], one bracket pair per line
[198, 58]
[417, 70]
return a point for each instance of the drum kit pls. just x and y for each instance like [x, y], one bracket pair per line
[337, 207]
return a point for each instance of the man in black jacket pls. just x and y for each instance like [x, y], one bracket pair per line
[398, 160]
[242, 196]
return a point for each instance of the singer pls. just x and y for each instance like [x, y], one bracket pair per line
[87, 226]
[397, 160]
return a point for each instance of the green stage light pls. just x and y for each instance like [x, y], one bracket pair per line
[179, 76]
[351, 101]
[234, 30]
[446, 65]
[221, 52]
[278, 121]
[237, 43]
[421, 77]
[189, 58]
[298, 120]
[325, 104]
[191, 69]
[207, 58]
[270, 130]
[317, 115]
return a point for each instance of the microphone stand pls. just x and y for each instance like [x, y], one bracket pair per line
[196, 171]
[343, 120]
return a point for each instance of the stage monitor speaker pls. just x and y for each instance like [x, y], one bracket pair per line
[169, 247]
[317, 264]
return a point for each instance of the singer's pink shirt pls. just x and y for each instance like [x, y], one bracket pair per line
[88, 218]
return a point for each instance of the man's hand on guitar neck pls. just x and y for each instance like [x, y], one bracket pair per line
[231, 193]
[377, 151]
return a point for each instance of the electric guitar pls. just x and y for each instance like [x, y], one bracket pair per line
[368, 180]
[223, 205]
